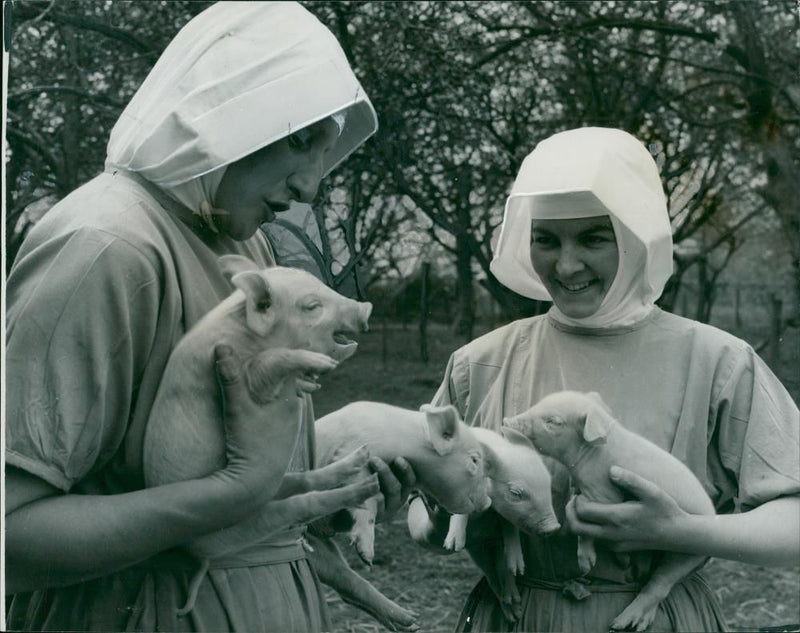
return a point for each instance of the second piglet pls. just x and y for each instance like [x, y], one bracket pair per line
[519, 487]
[579, 430]
[443, 451]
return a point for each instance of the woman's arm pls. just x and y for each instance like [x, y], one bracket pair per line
[55, 539]
[767, 535]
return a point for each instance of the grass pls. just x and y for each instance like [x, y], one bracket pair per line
[387, 368]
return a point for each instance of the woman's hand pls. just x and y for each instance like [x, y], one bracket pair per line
[259, 438]
[396, 480]
[646, 522]
[767, 535]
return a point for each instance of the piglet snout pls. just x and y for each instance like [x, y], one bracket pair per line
[548, 526]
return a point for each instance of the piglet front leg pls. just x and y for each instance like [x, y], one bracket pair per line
[587, 556]
[457, 533]
[362, 534]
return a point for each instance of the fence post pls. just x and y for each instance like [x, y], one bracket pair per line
[384, 339]
[423, 313]
[774, 349]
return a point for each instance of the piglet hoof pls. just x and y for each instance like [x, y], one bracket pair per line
[515, 562]
[455, 541]
[586, 561]
[355, 465]
[510, 600]
[399, 619]
[636, 617]
[361, 490]
[587, 556]
[511, 612]
[365, 550]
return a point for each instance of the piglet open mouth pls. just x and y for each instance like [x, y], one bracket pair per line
[342, 337]
[344, 346]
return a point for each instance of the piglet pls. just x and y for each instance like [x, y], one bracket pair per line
[445, 454]
[519, 488]
[287, 328]
[579, 431]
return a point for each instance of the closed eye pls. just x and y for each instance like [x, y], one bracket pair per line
[598, 239]
[544, 240]
[300, 140]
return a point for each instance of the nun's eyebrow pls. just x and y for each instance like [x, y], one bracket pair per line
[597, 228]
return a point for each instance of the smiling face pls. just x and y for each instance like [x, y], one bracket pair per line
[260, 185]
[576, 260]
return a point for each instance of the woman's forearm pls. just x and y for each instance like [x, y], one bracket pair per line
[62, 539]
[768, 535]
[652, 520]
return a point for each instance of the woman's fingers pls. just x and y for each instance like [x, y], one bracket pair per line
[405, 475]
[639, 487]
[396, 483]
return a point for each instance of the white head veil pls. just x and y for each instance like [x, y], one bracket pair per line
[584, 173]
[236, 78]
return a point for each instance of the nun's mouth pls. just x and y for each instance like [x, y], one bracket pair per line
[576, 288]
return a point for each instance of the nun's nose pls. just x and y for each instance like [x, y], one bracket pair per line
[569, 262]
[304, 182]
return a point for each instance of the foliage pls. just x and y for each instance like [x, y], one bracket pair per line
[72, 68]
[464, 91]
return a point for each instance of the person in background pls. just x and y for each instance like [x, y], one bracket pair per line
[586, 227]
[247, 109]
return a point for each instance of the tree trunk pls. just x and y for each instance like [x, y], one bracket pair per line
[465, 294]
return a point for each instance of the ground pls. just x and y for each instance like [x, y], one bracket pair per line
[387, 368]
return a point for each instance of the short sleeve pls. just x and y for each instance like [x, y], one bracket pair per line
[759, 434]
[82, 312]
[455, 385]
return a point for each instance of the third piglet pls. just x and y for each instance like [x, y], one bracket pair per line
[579, 431]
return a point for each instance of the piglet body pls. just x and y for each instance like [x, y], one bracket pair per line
[519, 488]
[578, 430]
[444, 453]
[286, 327]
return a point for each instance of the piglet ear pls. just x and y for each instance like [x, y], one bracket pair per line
[442, 426]
[597, 399]
[231, 265]
[597, 424]
[258, 300]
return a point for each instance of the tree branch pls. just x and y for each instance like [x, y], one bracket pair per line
[25, 12]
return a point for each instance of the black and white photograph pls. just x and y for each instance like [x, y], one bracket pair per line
[353, 316]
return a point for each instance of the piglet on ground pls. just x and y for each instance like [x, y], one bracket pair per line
[287, 328]
[445, 454]
[579, 431]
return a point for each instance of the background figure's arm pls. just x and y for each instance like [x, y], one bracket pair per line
[767, 535]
